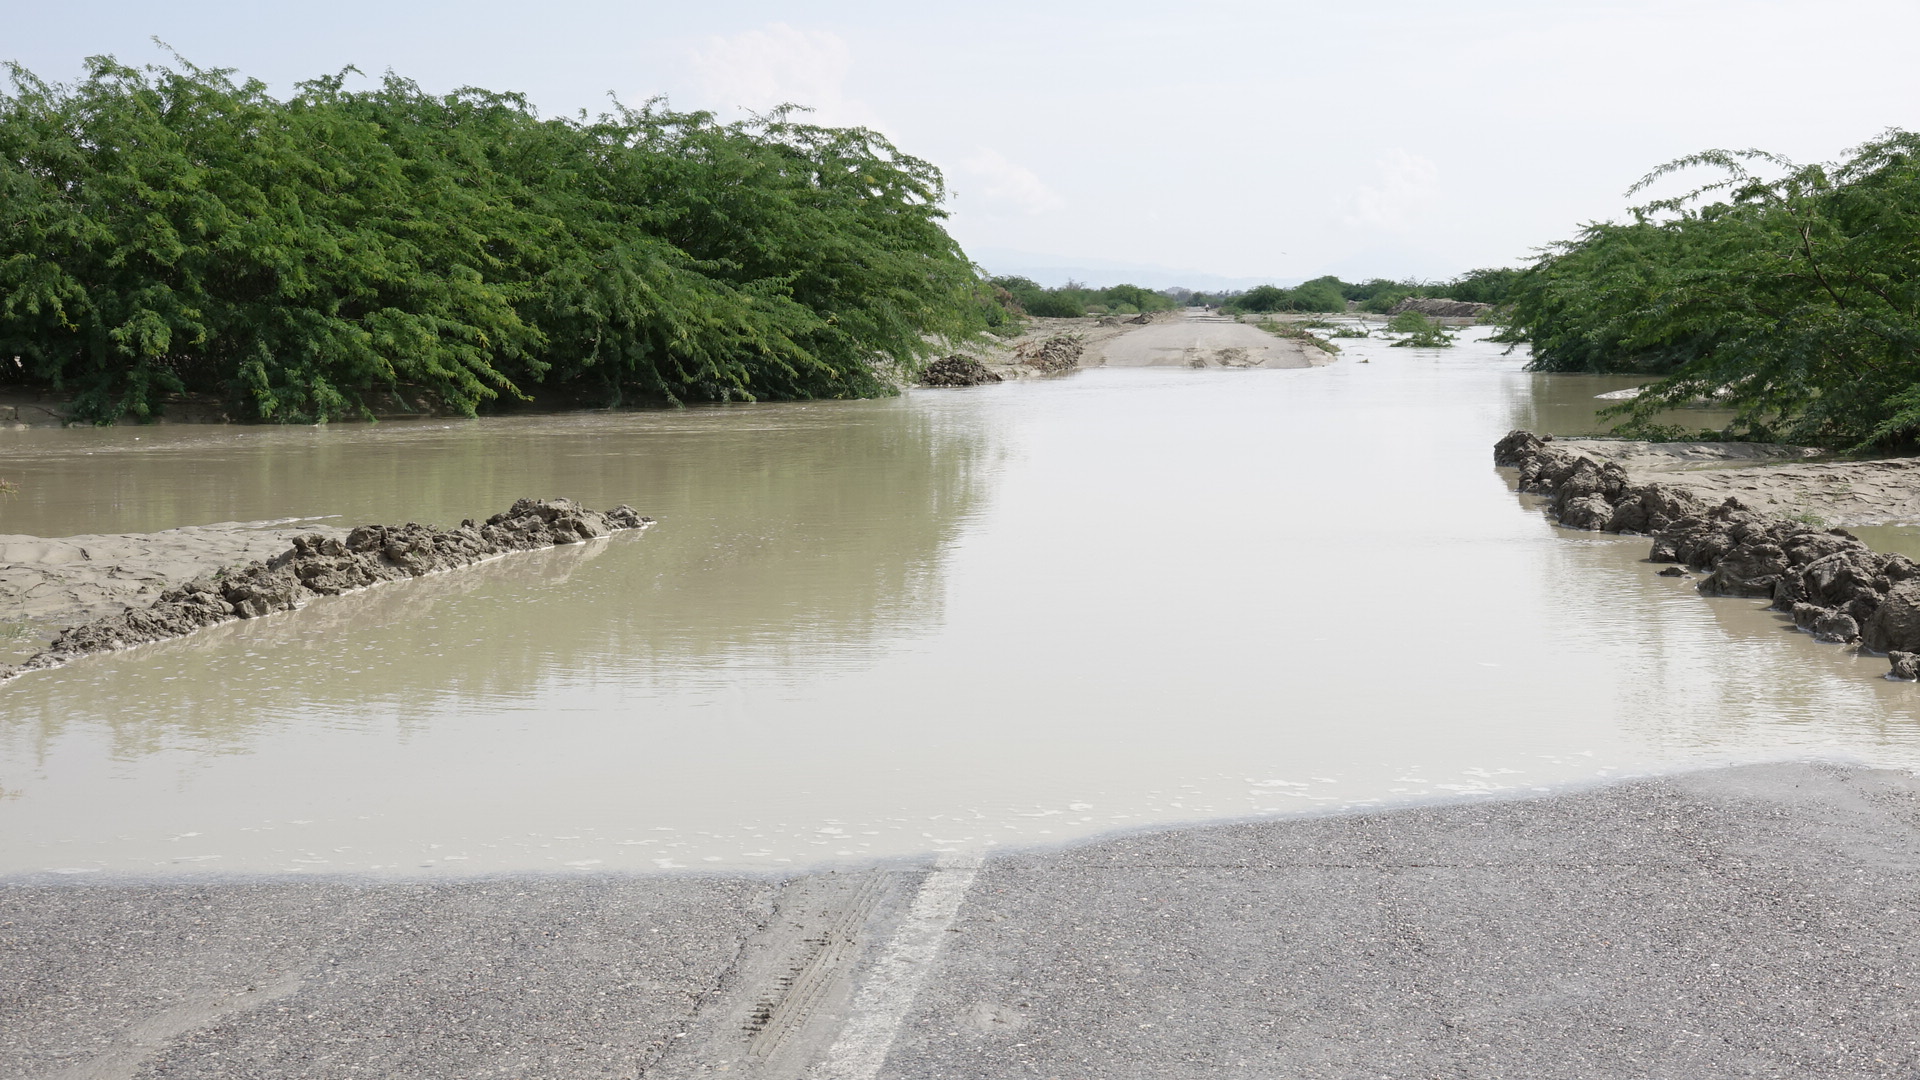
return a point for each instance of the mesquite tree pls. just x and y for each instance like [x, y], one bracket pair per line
[172, 229]
[1795, 301]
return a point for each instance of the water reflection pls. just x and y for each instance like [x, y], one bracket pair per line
[1011, 615]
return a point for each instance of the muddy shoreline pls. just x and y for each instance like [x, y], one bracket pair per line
[1184, 338]
[1835, 587]
[314, 563]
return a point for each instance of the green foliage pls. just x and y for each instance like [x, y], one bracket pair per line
[1378, 296]
[1793, 301]
[1492, 285]
[1806, 517]
[1262, 298]
[177, 230]
[999, 309]
[1382, 302]
[1421, 332]
[1318, 296]
[1298, 330]
[1073, 299]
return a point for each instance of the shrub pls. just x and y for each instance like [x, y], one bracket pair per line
[179, 230]
[1793, 301]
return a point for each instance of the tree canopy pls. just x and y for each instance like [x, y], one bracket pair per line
[1072, 300]
[1794, 301]
[176, 229]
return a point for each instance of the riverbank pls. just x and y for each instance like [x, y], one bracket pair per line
[1715, 925]
[1833, 585]
[49, 584]
[328, 562]
[1777, 479]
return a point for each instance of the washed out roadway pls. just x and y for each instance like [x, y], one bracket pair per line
[1196, 340]
[1762, 921]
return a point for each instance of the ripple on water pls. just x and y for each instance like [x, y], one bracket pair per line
[1008, 617]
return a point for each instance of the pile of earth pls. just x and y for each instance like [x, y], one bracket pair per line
[1052, 356]
[328, 565]
[1836, 587]
[1441, 308]
[958, 371]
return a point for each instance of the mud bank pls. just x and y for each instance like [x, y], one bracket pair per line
[1778, 479]
[1836, 587]
[47, 584]
[329, 564]
[1186, 339]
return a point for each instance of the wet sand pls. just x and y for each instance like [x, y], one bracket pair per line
[47, 584]
[1185, 338]
[1777, 479]
[1200, 341]
[1730, 923]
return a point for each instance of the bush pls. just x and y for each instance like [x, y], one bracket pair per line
[1421, 332]
[1793, 301]
[1382, 302]
[1411, 322]
[1057, 306]
[1318, 296]
[178, 230]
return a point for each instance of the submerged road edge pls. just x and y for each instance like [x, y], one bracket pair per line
[1732, 922]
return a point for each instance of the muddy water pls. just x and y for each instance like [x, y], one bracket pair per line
[1011, 615]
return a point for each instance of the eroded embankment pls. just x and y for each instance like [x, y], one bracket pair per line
[1836, 587]
[319, 564]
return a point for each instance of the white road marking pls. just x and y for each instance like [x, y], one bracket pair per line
[881, 1003]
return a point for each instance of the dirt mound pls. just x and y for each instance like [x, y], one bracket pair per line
[1443, 309]
[958, 371]
[1836, 587]
[328, 565]
[1052, 356]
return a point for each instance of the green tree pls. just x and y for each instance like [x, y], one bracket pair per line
[175, 229]
[1795, 301]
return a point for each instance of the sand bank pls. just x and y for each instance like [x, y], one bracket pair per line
[314, 564]
[1834, 585]
[1775, 479]
[1186, 339]
[48, 584]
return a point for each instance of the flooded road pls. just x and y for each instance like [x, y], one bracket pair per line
[1011, 615]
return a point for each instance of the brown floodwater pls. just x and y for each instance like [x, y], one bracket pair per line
[1010, 615]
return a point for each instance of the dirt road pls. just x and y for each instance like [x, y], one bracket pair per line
[1202, 341]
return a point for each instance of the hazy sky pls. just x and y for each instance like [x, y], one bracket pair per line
[1155, 142]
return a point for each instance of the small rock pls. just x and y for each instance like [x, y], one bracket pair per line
[1904, 665]
[958, 371]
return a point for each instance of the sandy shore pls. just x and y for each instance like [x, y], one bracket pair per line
[48, 584]
[1776, 479]
[1185, 338]
[1202, 341]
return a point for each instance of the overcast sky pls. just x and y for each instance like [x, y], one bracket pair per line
[1161, 143]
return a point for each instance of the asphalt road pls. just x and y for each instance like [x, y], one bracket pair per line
[1752, 922]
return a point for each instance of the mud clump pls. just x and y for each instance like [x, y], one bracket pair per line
[320, 565]
[958, 371]
[1835, 587]
[1052, 356]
